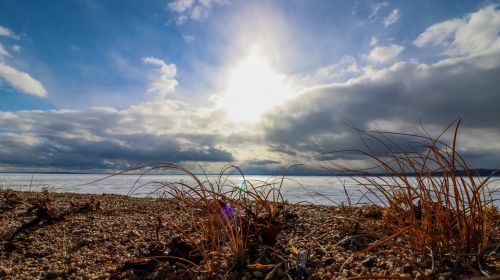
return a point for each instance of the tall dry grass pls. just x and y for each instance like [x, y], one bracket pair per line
[435, 201]
[218, 218]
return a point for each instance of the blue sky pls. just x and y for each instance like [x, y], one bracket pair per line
[100, 85]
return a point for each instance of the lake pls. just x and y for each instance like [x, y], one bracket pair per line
[304, 189]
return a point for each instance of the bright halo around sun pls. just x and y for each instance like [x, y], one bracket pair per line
[252, 88]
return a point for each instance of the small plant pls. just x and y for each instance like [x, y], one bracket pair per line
[92, 205]
[9, 201]
[217, 219]
[434, 201]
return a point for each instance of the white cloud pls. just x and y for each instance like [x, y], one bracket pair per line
[199, 12]
[16, 48]
[4, 31]
[346, 66]
[475, 34]
[193, 9]
[3, 51]
[164, 81]
[377, 8]
[392, 18]
[181, 19]
[102, 135]
[210, 3]
[439, 34]
[180, 6]
[385, 54]
[188, 38]
[21, 81]
[373, 41]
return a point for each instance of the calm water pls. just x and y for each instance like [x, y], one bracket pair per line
[309, 189]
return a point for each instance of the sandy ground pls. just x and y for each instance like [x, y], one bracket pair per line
[100, 237]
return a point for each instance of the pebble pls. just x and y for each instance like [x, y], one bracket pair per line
[3, 271]
[51, 274]
[72, 270]
[368, 262]
[258, 274]
[327, 260]
[134, 233]
[407, 268]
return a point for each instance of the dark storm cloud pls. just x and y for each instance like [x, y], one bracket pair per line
[101, 138]
[393, 99]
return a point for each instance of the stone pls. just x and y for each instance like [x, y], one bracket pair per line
[327, 261]
[258, 274]
[368, 262]
[407, 268]
[51, 274]
[72, 270]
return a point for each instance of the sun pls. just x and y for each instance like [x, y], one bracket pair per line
[253, 87]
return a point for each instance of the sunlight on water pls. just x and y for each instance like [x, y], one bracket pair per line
[303, 189]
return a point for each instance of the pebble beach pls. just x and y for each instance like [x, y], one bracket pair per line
[105, 237]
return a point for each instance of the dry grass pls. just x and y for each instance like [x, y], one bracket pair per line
[434, 201]
[218, 218]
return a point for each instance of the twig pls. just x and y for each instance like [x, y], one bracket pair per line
[321, 247]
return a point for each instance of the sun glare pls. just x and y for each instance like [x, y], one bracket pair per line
[252, 88]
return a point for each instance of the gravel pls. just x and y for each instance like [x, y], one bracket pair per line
[102, 244]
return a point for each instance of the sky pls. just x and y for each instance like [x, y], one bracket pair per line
[98, 86]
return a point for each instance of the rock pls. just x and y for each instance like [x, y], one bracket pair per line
[368, 262]
[258, 274]
[3, 272]
[133, 233]
[51, 274]
[327, 261]
[72, 270]
[407, 268]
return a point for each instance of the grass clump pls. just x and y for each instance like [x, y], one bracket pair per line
[434, 201]
[221, 225]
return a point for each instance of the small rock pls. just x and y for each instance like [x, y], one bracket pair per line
[3, 271]
[368, 262]
[407, 268]
[51, 274]
[10, 246]
[72, 270]
[258, 274]
[231, 275]
[327, 261]
[134, 233]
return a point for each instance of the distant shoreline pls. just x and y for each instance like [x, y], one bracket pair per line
[480, 172]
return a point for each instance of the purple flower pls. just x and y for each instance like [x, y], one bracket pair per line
[227, 210]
